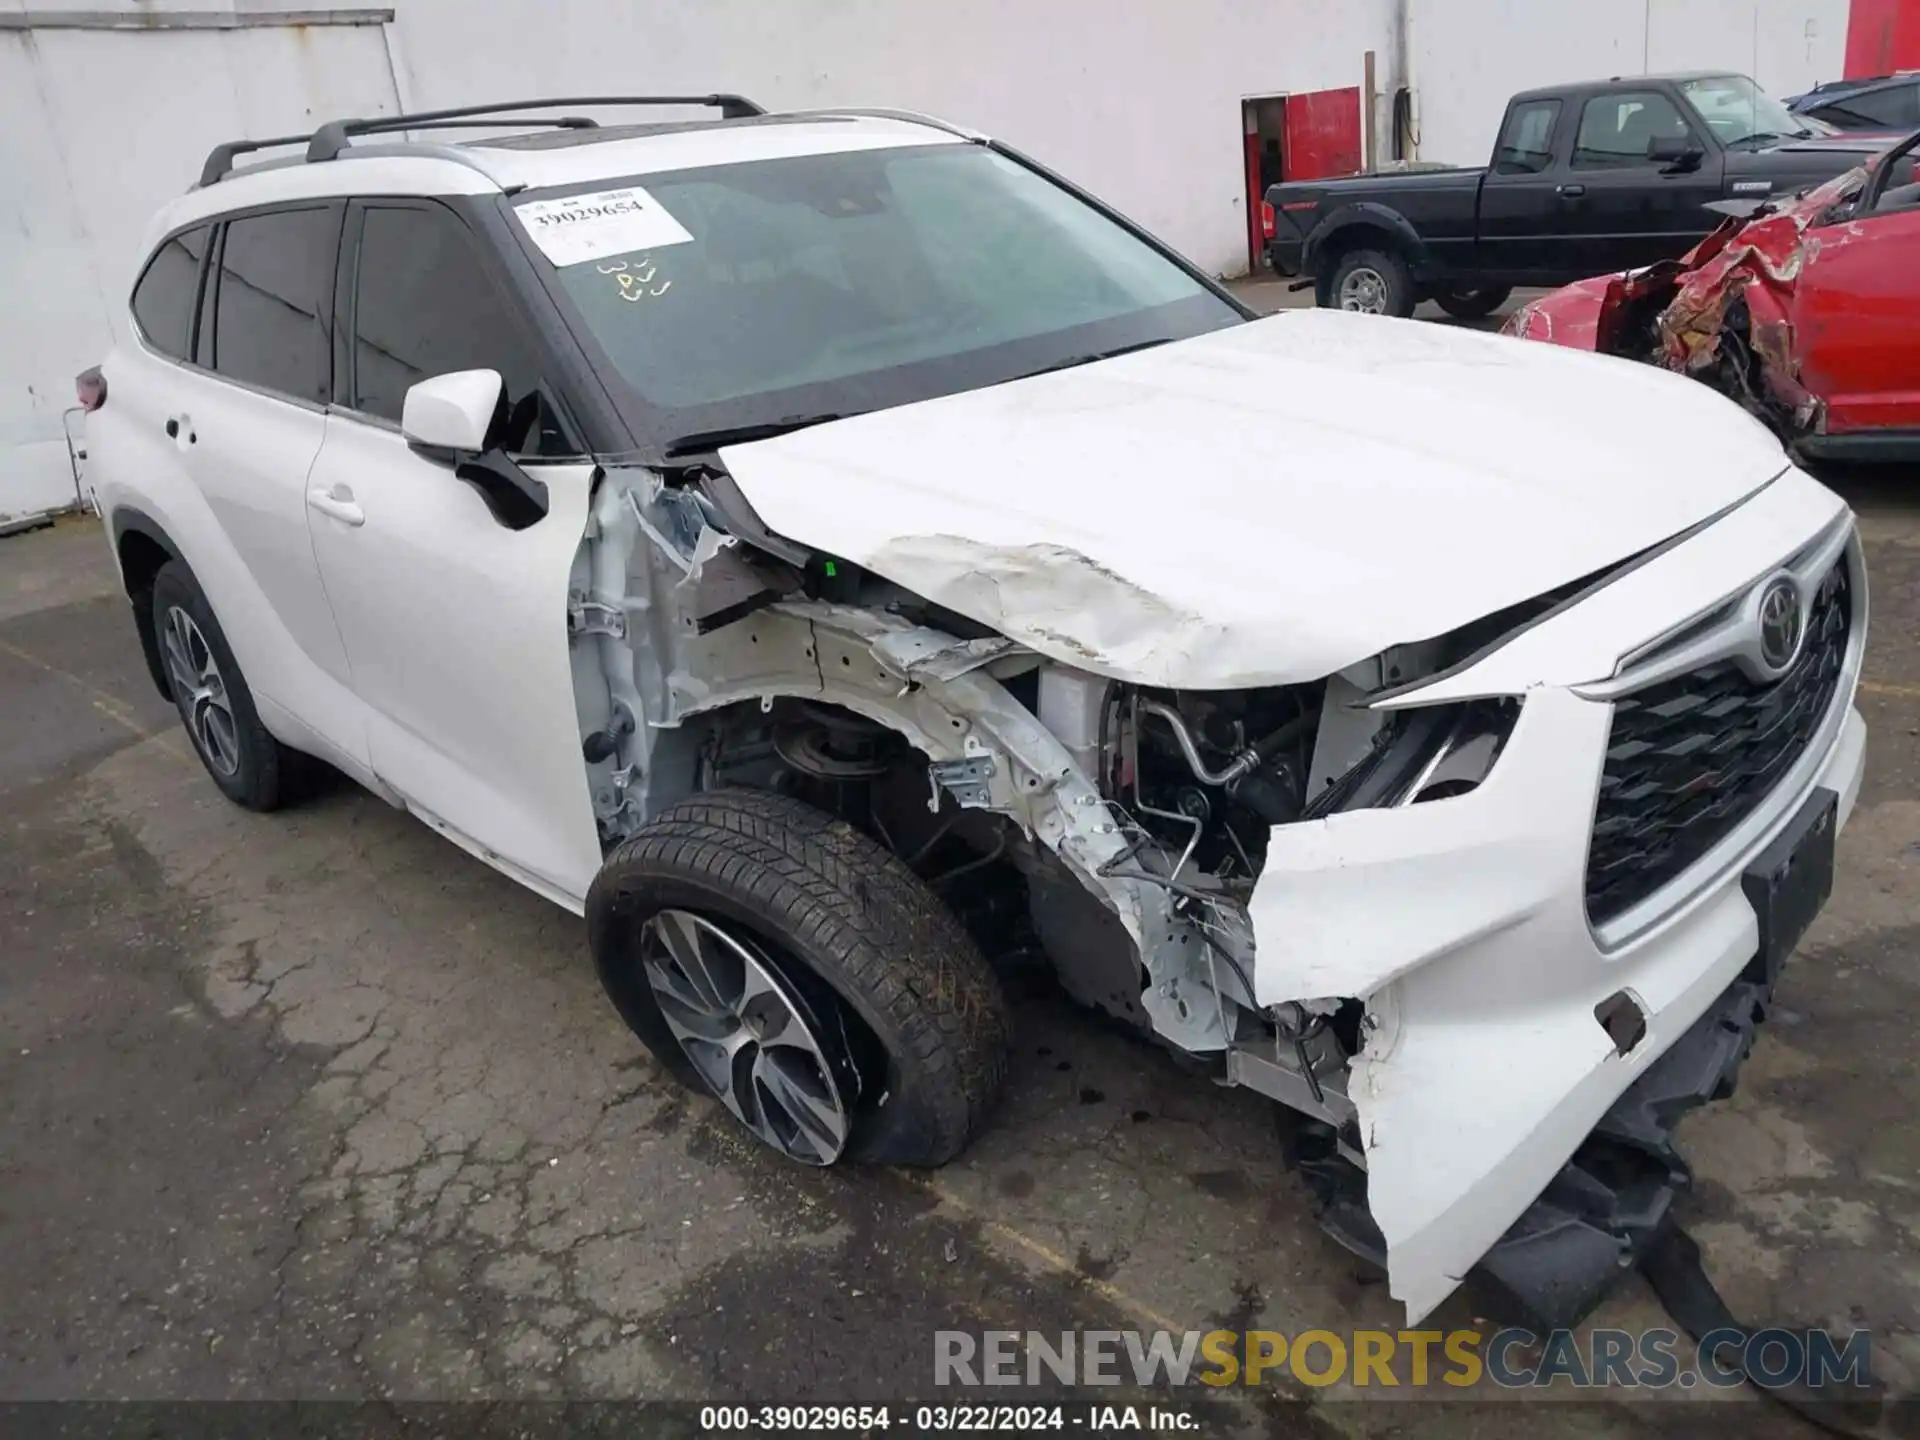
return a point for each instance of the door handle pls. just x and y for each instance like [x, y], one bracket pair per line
[1571, 192]
[339, 503]
[177, 423]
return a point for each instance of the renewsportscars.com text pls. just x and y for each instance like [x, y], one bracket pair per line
[1460, 1359]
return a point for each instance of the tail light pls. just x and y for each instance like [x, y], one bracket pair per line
[90, 388]
[1266, 219]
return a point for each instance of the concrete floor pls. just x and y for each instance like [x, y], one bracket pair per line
[314, 1105]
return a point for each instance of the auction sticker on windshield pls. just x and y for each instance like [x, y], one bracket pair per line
[607, 222]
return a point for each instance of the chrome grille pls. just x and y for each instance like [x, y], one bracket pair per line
[1691, 757]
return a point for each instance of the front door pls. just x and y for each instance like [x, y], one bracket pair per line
[1857, 309]
[456, 626]
[1618, 208]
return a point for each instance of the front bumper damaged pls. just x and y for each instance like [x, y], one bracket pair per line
[1521, 1070]
[1606, 1207]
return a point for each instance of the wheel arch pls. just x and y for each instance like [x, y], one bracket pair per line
[1363, 223]
[141, 546]
[888, 671]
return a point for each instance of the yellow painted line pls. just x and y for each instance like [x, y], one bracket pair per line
[106, 704]
[1880, 687]
[1053, 1260]
[1050, 1257]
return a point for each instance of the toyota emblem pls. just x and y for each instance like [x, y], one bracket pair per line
[1779, 624]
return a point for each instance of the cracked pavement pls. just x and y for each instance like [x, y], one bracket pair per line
[314, 1105]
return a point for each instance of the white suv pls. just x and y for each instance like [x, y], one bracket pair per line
[828, 549]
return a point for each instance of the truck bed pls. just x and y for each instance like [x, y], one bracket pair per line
[1441, 204]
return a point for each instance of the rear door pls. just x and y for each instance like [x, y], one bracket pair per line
[1857, 310]
[248, 419]
[456, 626]
[1619, 209]
[1519, 237]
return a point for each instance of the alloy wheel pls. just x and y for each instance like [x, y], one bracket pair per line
[1364, 290]
[202, 692]
[758, 1047]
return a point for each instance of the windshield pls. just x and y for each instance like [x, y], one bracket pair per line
[763, 294]
[1739, 112]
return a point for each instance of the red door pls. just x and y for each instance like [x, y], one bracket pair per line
[1323, 134]
[1857, 322]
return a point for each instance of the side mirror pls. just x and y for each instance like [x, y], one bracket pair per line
[1676, 152]
[452, 417]
[453, 411]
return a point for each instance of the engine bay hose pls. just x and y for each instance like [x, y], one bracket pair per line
[1242, 765]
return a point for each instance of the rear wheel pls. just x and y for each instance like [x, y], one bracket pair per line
[1473, 304]
[215, 705]
[1371, 282]
[795, 969]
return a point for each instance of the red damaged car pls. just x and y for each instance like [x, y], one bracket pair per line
[1806, 311]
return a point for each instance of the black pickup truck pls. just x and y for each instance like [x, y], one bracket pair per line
[1585, 179]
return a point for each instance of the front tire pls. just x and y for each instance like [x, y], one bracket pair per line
[215, 705]
[1473, 304]
[1371, 282]
[775, 957]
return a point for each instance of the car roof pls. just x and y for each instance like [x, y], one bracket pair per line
[1615, 82]
[547, 158]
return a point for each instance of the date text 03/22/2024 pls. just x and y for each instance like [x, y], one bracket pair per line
[944, 1419]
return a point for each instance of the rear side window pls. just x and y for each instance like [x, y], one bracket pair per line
[1615, 130]
[164, 300]
[424, 305]
[276, 287]
[1526, 144]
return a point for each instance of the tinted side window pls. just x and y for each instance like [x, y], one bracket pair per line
[1615, 130]
[276, 288]
[1526, 144]
[1896, 108]
[164, 300]
[424, 305]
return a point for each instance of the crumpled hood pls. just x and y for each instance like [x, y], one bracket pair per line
[1265, 504]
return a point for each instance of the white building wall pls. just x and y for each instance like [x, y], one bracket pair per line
[1136, 101]
[98, 128]
[1470, 55]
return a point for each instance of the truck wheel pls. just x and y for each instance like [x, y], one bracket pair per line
[1372, 282]
[776, 958]
[1473, 304]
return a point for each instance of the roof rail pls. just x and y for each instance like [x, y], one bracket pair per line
[871, 112]
[220, 158]
[332, 138]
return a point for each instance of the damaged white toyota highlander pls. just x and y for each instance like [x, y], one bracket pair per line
[840, 558]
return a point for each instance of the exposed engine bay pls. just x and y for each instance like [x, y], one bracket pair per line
[1183, 787]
